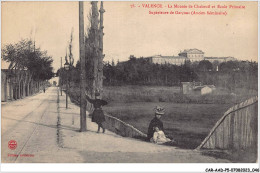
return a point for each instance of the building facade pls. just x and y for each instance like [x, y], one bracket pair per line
[159, 59]
[196, 88]
[220, 59]
[192, 54]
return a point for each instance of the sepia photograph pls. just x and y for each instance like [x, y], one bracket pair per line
[130, 82]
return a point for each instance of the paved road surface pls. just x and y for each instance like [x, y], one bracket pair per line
[45, 131]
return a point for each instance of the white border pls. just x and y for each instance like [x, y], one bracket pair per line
[171, 167]
[151, 167]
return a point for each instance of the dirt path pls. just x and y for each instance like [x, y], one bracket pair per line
[45, 131]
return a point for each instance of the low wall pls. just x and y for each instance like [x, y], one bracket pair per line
[121, 128]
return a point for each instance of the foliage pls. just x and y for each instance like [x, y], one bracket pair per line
[204, 65]
[231, 75]
[139, 71]
[71, 59]
[24, 56]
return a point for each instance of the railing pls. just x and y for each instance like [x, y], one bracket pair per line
[118, 126]
[123, 129]
[236, 130]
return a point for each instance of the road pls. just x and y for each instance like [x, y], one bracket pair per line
[46, 132]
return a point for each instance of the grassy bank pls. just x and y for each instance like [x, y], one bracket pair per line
[188, 119]
[188, 124]
[129, 94]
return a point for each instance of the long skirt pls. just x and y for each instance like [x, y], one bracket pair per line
[98, 116]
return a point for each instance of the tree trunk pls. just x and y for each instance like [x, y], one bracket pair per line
[95, 41]
[5, 89]
[101, 56]
[11, 91]
[28, 89]
[31, 88]
[19, 90]
[24, 92]
[15, 92]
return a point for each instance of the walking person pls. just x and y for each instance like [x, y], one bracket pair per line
[98, 114]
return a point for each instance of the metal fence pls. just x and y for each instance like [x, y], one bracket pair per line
[236, 130]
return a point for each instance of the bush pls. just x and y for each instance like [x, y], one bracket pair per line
[130, 94]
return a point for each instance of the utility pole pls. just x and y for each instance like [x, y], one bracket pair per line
[83, 124]
[61, 76]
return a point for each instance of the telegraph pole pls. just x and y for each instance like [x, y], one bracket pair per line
[83, 124]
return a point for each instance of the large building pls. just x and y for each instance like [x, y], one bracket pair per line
[193, 54]
[159, 59]
[188, 54]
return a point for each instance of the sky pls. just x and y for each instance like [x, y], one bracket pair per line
[133, 31]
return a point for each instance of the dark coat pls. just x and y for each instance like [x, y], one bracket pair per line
[98, 114]
[155, 122]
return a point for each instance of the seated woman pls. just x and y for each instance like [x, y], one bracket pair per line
[159, 137]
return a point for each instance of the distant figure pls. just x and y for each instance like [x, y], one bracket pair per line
[98, 114]
[155, 122]
[159, 137]
[44, 89]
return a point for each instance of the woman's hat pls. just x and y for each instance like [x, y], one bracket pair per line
[159, 110]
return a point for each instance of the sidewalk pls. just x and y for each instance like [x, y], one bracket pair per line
[3, 103]
[110, 148]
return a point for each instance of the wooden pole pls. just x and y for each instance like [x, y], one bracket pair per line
[83, 124]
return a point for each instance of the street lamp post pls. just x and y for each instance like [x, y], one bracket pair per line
[66, 66]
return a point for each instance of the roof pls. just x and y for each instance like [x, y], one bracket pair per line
[186, 82]
[229, 57]
[169, 57]
[194, 51]
[198, 88]
[211, 86]
[204, 86]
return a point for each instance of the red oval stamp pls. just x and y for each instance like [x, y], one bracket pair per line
[12, 144]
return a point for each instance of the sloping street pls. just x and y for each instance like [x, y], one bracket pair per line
[46, 132]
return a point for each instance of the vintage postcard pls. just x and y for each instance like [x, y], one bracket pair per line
[130, 82]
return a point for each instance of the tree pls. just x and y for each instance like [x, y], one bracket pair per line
[229, 66]
[71, 59]
[204, 65]
[215, 65]
[30, 65]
